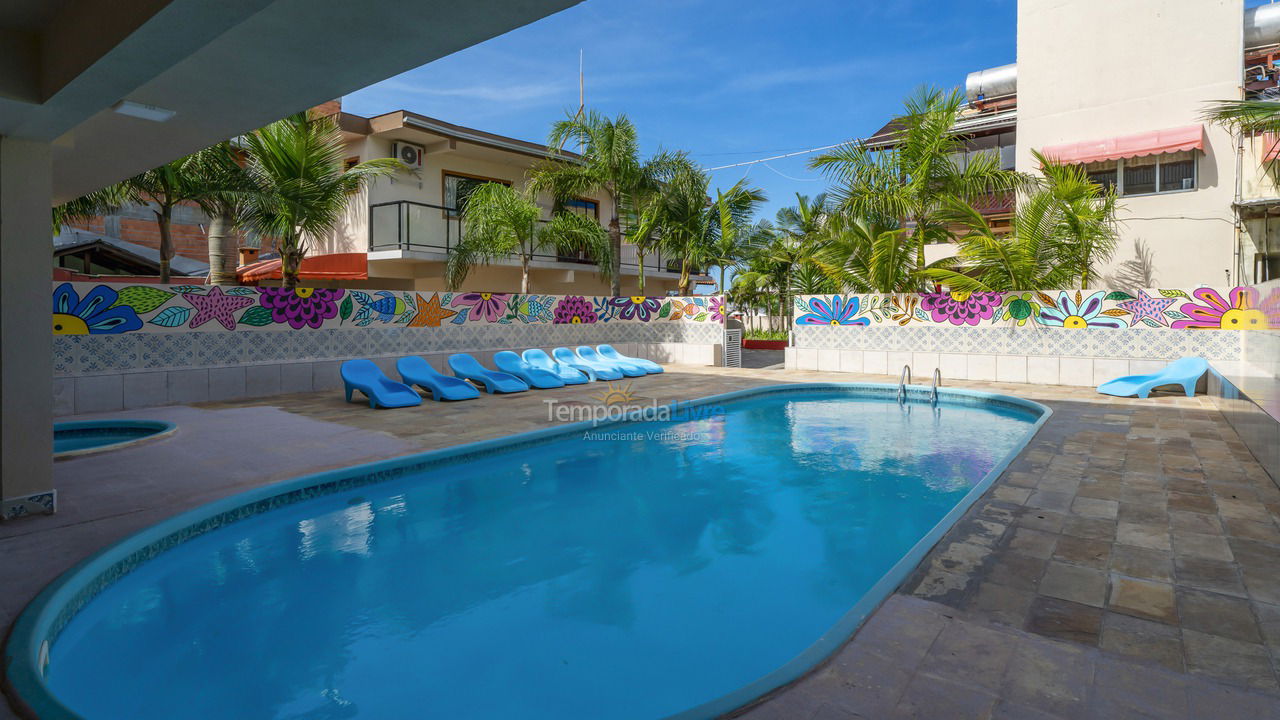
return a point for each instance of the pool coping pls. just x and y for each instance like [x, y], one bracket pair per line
[26, 649]
[163, 429]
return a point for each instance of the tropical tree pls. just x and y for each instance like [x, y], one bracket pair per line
[500, 221]
[1087, 226]
[99, 202]
[1250, 116]
[905, 182]
[689, 225]
[862, 256]
[300, 187]
[609, 163]
[225, 191]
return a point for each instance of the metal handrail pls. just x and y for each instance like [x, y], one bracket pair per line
[903, 379]
[937, 380]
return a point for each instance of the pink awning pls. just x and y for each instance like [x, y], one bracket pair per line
[1190, 137]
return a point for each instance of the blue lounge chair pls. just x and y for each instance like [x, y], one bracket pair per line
[468, 368]
[417, 371]
[588, 353]
[648, 366]
[570, 376]
[381, 390]
[601, 370]
[513, 364]
[1184, 371]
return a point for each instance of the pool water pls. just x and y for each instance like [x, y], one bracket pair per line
[636, 571]
[77, 437]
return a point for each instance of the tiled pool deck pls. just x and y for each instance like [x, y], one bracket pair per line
[1127, 565]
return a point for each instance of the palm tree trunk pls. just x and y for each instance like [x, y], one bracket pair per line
[290, 261]
[164, 217]
[640, 269]
[721, 290]
[615, 242]
[524, 274]
[684, 276]
[222, 264]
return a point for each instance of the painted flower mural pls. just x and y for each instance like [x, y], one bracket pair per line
[1078, 313]
[573, 310]
[300, 307]
[839, 311]
[636, 307]
[1238, 311]
[489, 307]
[96, 314]
[961, 308]
[717, 309]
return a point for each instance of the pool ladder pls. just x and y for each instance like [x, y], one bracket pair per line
[904, 379]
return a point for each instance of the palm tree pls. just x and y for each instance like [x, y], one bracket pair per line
[689, 225]
[1249, 116]
[300, 188]
[1058, 231]
[499, 221]
[904, 183]
[1087, 224]
[861, 256]
[609, 163]
[736, 238]
[224, 196]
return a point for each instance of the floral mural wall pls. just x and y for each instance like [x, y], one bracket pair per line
[1239, 308]
[101, 309]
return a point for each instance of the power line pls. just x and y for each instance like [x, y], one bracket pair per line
[810, 151]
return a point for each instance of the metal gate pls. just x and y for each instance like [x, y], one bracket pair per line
[733, 348]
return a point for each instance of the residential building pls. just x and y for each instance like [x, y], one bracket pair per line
[399, 232]
[1089, 88]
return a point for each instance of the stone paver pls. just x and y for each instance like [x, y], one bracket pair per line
[1126, 564]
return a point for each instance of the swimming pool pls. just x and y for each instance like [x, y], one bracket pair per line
[633, 570]
[72, 439]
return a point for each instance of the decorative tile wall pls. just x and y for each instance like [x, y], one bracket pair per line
[104, 329]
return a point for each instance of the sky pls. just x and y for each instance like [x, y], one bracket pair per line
[725, 80]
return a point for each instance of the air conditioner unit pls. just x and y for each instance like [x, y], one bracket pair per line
[408, 154]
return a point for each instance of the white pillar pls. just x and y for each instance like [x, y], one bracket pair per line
[26, 341]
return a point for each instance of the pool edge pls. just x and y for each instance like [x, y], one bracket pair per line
[21, 677]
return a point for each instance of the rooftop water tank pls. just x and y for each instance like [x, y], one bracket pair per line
[992, 82]
[1262, 25]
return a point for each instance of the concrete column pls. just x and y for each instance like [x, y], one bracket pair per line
[26, 341]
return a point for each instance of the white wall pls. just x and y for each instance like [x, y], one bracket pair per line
[1093, 69]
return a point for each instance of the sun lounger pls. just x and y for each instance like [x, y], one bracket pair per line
[468, 368]
[589, 354]
[649, 366]
[1185, 372]
[571, 376]
[601, 370]
[417, 371]
[382, 391]
[513, 364]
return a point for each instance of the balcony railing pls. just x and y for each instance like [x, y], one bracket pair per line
[414, 226]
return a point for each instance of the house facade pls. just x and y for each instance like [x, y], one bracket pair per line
[1121, 88]
[398, 233]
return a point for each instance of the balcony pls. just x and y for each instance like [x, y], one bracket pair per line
[429, 232]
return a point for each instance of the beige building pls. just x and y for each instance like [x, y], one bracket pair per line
[408, 223]
[1121, 88]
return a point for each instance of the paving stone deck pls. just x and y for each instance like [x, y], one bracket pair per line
[1126, 565]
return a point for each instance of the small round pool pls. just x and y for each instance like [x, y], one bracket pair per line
[71, 439]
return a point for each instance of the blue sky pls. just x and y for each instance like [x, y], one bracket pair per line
[725, 80]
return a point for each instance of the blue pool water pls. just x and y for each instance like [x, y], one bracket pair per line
[634, 572]
[72, 437]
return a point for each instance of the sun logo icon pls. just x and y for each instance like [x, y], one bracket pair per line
[614, 395]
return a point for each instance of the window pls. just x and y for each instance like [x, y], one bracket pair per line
[584, 207]
[1177, 172]
[1103, 173]
[458, 187]
[1169, 172]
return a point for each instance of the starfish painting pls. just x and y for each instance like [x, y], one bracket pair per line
[216, 305]
[429, 312]
[1145, 306]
